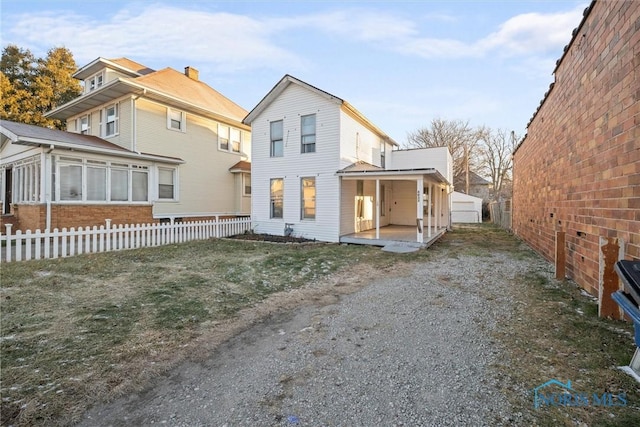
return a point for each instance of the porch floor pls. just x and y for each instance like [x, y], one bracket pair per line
[392, 234]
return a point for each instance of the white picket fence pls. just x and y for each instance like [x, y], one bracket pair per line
[69, 242]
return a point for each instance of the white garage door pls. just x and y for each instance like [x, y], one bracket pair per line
[464, 212]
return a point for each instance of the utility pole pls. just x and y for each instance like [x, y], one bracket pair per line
[466, 167]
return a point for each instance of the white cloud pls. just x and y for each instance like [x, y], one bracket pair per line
[533, 32]
[227, 41]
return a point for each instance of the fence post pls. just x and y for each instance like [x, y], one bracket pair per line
[9, 245]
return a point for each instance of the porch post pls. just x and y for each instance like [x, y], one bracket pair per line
[420, 211]
[377, 209]
[436, 211]
[429, 211]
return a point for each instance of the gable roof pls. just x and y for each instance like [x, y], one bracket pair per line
[287, 80]
[166, 86]
[24, 134]
[474, 178]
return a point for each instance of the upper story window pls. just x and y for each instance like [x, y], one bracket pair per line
[382, 154]
[277, 143]
[109, 121]
[84, 125]
[308, 133]
[176, 120]
[95, 81]
[229, 139]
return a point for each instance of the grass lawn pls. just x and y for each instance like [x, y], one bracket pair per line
[83, 330]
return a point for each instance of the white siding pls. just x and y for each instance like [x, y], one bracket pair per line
[294, 102]
[438, 158]
[357, 142]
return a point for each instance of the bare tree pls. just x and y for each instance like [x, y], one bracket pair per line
[496, 160]
[461, 139]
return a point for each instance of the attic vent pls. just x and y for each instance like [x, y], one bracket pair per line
[191, 72]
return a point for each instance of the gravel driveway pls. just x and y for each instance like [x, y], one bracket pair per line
[412, 347]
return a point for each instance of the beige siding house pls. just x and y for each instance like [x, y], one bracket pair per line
[189, 152]
[321, 170]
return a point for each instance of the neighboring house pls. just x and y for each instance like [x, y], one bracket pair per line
[465, 208]
[577, 171]
[322, 171]
[155, 115]
[478, 186]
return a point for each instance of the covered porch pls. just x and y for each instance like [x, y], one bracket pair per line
[382, 207]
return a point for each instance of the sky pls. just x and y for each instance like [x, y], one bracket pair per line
[400, 63]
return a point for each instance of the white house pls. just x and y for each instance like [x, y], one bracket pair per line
[465, 208]
[321, 170]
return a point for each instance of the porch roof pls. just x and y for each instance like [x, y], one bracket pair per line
[38, 136]
[364, 170]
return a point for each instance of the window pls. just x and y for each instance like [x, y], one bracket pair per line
[109, 120]
[166, 183]
[383, 201]
[277, 147]
[382, 155]
[120, 185]
[246, 184]
[223, 137]
[95, 81]
[235, 140]
[308, 132]
[70, 182]
[84, 124]
[277, 191]
[308, 198]
[175, 120]
[97, 183]
[139, 186]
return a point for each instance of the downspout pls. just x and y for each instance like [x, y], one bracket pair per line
[47, 187]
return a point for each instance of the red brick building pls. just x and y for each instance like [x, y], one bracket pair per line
[577, 170]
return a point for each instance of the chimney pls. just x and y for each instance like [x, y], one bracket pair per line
[191, 72]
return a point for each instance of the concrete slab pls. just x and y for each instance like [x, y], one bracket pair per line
[401, 248]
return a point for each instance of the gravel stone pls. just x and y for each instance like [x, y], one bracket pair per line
[413, 349]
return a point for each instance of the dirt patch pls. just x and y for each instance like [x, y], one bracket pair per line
[259, 237]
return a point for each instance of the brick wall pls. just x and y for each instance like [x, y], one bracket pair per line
[578, 168]
[33, 217]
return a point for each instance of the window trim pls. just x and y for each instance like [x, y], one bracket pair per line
[79, 124]
[304, 217]
[174, 176]
[273, 199]
[304, 146]
[104, 123]
[94, 82]
[273, 142]
[109, 166]
[246, 175]
[182, 121]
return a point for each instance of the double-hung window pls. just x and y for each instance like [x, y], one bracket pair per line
[166, 183]
[96, 181]
[308, 133]
[84, 124]
[176, 120]
[71, 180]
[308, 198]
[235, 140]
[109, 120]
[246, 184]
[95, 82]
[223, 137]
[277, 146]
[276, 196]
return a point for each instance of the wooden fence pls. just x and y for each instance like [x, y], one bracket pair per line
[501, 213]
[69, 242]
